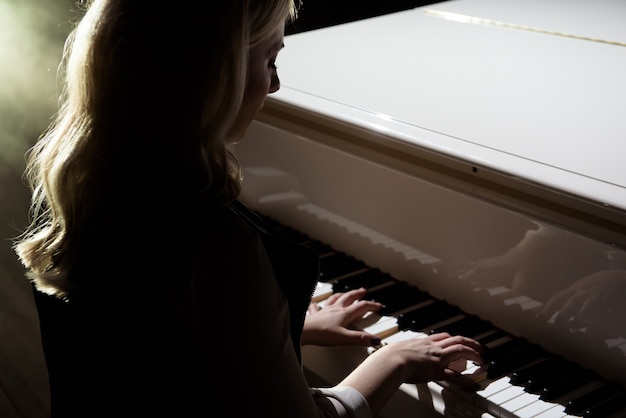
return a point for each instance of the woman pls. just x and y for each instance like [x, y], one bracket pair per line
[158, 292]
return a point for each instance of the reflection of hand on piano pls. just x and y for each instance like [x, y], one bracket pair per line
[543, 265]
[489, 272]
[329, 326]
[518, 267]
[592, 301]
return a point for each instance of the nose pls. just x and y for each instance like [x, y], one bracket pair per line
[275, 84]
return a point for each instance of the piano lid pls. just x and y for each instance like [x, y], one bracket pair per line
[532, 89]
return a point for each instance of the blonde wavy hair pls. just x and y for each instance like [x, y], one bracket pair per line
[149, 94]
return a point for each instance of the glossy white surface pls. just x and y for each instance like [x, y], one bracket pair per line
[539, 106]
[493, 262]
[534, 107]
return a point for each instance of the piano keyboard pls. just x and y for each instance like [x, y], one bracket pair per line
[518, 380]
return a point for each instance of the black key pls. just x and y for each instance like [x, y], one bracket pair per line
[583, 402]
[337, 265]
[505, 348]
[421, 318]
[566, 384]
[491, 337]
[606, 407]
[548, 374]
[523, 375]
[367, 279]
[470, 326]
[512, 360]
[551, 384]
[397, 297]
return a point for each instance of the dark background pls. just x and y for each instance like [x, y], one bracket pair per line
[314, 14]
[32, 33]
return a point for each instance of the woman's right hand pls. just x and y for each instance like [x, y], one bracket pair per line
[416, 360]
[433, 357]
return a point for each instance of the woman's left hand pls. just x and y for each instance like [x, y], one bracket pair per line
[329, 326]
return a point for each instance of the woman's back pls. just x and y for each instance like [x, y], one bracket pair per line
[127, 338]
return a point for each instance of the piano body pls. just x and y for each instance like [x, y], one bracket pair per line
[474, 149]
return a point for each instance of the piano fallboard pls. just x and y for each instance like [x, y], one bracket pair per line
[430, 236]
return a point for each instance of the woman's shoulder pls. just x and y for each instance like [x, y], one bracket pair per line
[223, 226]
[199, 241]
[200, 221]
[216, 235]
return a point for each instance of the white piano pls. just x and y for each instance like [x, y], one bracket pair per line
[475, 150]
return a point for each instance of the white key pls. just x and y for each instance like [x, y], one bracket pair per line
[519, 402]
[494, 387]
[506, 395]
[322, 291]
[471, 368]
[367, 320]
[439, 404]
[382, 326]
[534, 409]
[557, 412]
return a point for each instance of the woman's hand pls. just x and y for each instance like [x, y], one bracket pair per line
[435, 357]
[415, 360]
[329, 326]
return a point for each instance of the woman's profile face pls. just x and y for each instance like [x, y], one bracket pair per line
[262, 80]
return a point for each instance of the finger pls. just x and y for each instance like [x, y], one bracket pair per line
[361, 338]
[581, 308]
[556, 303]
[439, 336]
[332, 299]
[467, 271]
[358, 309]
[570, 307]
[351, 296]
[457, 347]
[313, 307]
[483, 270]
[593, 308]
[453, 353]
[453, 340]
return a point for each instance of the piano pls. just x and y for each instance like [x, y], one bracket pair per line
[464, 161]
